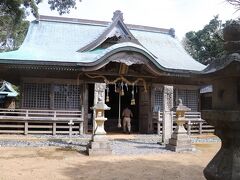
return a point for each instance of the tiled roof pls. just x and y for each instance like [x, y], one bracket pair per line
[58, 40]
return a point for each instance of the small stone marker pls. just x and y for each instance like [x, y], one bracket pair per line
[71, 123]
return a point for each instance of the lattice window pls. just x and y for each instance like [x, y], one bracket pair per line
[66, 96]
[36, 95]
[189, 98]
[192, 99]
[158, 101]
[181, 94]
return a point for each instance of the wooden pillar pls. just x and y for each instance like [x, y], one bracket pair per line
[51, 96]
[81, 128]
[159, 120]
[26, 124]
[150, 112]
[81, 123]
[85, 106]
[144, 110]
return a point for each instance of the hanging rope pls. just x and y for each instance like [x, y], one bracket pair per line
[121, 78]
[125, 82]
[133, 98]
[119, 111]
[107, 97]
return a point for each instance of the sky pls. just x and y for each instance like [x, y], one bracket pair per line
[182, 15]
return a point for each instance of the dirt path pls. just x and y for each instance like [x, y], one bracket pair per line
[57, 163]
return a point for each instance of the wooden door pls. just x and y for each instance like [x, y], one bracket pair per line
[144, 111]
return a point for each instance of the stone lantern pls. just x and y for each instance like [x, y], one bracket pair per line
[180, 140]
[224, 75]
[99, 145]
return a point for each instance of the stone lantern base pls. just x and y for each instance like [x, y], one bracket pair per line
[180, 140]
[225, 165]
[99, 145]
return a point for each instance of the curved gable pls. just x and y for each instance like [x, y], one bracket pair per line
[117, 32]
[129, 54]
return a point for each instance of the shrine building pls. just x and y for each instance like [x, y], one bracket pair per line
[63, 61]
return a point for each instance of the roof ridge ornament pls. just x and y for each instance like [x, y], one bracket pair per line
[117, 14]
[172, 32]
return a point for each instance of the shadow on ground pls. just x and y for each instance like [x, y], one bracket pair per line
[134, 169]
[65, 145]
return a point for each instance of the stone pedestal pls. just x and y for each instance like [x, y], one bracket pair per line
[180, 140]
[226, 163]
[99, 145]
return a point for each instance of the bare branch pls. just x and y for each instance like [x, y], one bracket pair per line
[235, 3]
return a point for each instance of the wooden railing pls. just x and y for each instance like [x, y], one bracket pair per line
[40, 114]
[194, 124]
[31, 121]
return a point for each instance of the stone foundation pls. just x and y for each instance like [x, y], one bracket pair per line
[180, 140]
[99, 146]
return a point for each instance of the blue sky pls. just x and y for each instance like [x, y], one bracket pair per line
[182, 15]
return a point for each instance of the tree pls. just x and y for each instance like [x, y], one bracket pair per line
[61, 6]
[207, 44]
[236, 3]
[13, 24]
[11, 34]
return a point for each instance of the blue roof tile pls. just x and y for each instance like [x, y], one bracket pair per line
[60, 41]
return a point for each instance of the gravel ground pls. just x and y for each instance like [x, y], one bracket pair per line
[139, 144]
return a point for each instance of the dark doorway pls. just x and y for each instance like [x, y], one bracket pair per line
[90, 104]
[206, 101]
[111, 125]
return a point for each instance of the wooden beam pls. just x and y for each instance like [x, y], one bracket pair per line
[123, 69]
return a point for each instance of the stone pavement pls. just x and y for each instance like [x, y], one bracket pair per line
[121, 144]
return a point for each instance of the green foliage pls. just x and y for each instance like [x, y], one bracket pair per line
[207, 44]
[12, 9]
[19, 34]
[11, 34]
[13, 24]
[62, 6]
